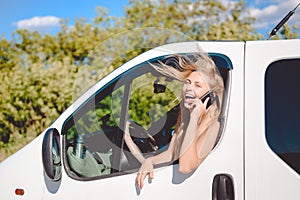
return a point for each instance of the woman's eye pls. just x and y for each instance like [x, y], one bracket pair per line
[187, 82]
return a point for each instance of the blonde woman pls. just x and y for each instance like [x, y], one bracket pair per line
[197, 125]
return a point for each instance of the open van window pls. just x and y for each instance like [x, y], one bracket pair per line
[93, 144]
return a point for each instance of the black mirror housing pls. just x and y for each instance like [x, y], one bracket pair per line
[51, 154]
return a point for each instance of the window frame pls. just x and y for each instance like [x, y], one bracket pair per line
[221, 61]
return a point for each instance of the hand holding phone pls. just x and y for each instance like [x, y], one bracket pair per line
[211, 96]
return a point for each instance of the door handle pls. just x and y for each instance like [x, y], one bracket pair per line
[223, 187]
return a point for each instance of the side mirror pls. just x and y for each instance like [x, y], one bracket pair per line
[51, 154]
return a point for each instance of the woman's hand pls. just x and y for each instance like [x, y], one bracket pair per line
[145, 170]
[198, 108]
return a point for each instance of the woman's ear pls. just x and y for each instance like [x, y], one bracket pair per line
[216, 98]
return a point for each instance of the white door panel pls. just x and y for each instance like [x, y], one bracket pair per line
[266, 175]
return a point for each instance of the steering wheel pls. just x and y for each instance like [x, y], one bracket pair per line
[142, 138]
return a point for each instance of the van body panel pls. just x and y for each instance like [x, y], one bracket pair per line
[168, 183]
[23, 170]
[242, 152]
[266, 175]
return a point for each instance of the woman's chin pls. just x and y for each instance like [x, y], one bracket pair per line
[188, 105]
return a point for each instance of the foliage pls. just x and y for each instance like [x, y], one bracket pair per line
[287, 33]
[42, 74]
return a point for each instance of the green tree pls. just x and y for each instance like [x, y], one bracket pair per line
[41, 75]
[200, 20]
[287, 32]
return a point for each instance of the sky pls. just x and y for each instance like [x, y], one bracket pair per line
[45, 15]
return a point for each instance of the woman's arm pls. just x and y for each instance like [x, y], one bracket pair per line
[147, 167]
[193, 152]
[197, 144]
[195, 147]
[134, 149]
[165, 156]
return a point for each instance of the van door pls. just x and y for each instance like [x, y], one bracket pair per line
[272, 131]
[98, 165]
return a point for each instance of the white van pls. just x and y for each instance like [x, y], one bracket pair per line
[82, 155]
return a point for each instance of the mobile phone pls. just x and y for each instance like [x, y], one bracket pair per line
[211, 96]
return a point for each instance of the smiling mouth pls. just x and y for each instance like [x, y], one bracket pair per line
[189, 97]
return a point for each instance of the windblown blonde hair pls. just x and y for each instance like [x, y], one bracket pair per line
[180, 67]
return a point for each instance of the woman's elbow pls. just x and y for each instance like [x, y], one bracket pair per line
[188, 167]
[184, 169]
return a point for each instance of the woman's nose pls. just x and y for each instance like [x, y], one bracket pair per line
[189, 87]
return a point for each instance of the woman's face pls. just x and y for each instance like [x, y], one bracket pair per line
[193, 88]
